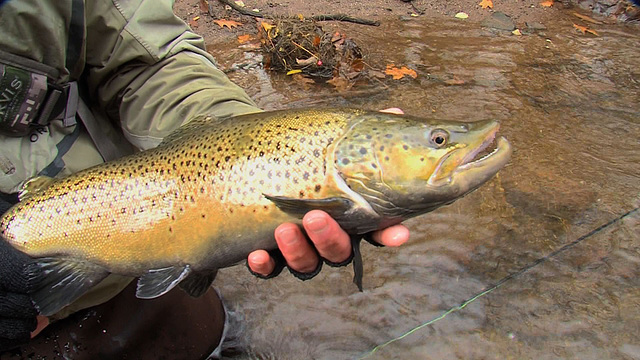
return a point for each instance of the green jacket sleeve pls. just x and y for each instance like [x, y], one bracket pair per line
[148, 71]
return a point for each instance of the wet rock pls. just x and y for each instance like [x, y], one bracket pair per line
[535, 26]
[500, 21]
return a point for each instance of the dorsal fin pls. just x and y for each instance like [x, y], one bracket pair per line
[34, 185]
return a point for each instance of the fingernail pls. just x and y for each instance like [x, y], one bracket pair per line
[317, 225]
[288, 237]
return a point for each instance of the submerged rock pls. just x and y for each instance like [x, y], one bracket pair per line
[500, 21]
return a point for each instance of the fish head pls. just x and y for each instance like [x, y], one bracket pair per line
[405, 166]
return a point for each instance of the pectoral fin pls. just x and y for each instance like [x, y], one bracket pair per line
[34, 185]
[58, 282]
[335, 206]
[198, 283]
[157, 282]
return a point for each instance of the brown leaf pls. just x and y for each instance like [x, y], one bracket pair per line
[244, 38]
[357, 65]
[547, 3]
[454, 81]
[204, 5]
[399, 73]
[228, 23]
[194, 22]
[303, 80]
[486, 4]
[306, 62]
[340, 83]
[584, 29]
[316, 41]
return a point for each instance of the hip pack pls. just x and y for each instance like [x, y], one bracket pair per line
[30, 98]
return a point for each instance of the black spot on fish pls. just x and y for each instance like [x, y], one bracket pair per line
[345, 161]
[318, 187]
[363, 151]
[388, 136]
[374, 166]
[406, 147]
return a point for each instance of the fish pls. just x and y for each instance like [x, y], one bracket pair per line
[215, 190]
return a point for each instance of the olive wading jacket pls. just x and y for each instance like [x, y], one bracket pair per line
[140, 69]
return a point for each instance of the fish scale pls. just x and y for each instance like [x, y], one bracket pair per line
[215, 190]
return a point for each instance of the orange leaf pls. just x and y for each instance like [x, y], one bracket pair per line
[228, 23]
[399, 73]
[584, 29]
[244, 38]
[486, 4]
[547, 3]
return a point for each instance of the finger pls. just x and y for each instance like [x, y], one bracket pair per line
[295, 248]
[43, 322]
[328, 237]
[393, 110]
[260, 262]
[395, 235]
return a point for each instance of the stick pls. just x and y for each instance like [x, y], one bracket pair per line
[330, 17]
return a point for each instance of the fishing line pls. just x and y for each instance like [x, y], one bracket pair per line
[502, 281]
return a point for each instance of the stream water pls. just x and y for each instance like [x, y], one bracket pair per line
[570, 105]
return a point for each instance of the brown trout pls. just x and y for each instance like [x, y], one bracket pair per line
[215, 190]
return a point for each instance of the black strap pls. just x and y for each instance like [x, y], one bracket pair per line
[76, 35]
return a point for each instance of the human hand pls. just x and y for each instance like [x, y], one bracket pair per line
[328, 240]
[18, 316]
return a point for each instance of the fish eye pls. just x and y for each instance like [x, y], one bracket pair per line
[439, 137]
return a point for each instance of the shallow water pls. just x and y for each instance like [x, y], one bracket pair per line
[569, 104]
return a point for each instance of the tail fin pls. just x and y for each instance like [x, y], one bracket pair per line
[57, 282]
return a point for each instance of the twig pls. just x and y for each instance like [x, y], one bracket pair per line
[331, 17]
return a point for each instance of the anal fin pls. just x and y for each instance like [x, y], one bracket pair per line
[198, 283]
[157, 282]
[57, 282]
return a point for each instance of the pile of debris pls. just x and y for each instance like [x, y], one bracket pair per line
[302, 46]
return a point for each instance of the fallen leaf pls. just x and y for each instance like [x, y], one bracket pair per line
[204, 5]
[517, 32]
[294, 71]
[304, 81]
[486, 4]
[399, 73]
[244, 38]
[547, 3]
[316, 41]
[196, 18]
[587, 18]
[340, 83]
[300, 17]
[228, 23]
[239, 3]
[461, 15]
[357, 65]
[377, 74]
[584, 29]
[455, 81]
[306, 62]
[194, 22]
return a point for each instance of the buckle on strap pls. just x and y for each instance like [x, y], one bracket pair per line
[61, 103]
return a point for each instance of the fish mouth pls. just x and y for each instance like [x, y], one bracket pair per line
[473, 170]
